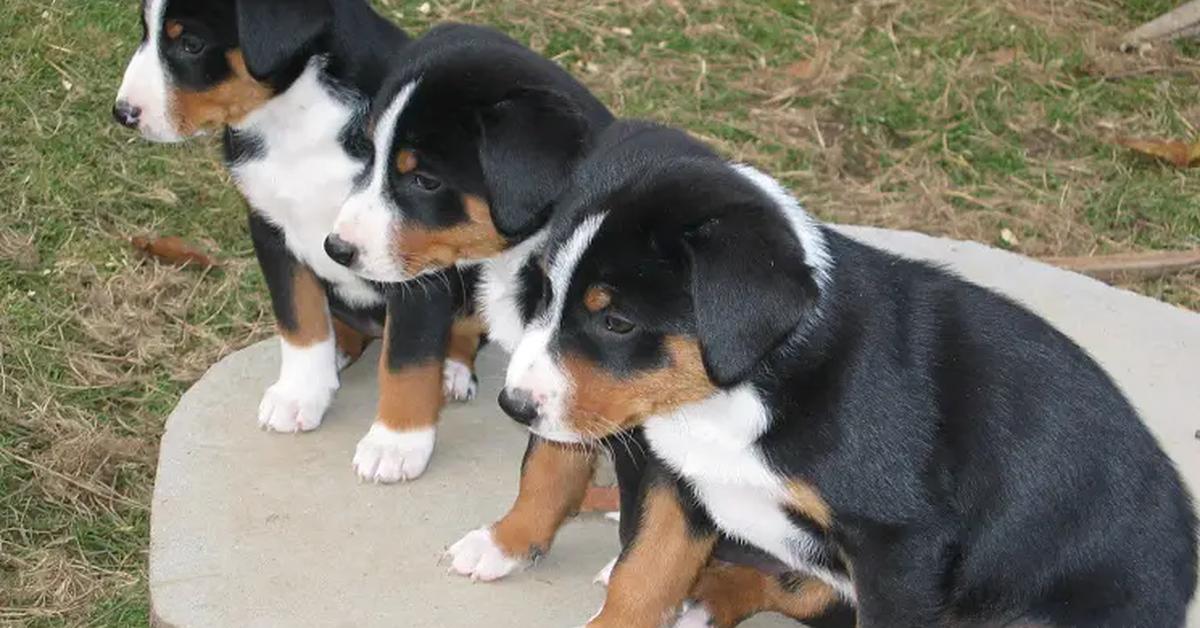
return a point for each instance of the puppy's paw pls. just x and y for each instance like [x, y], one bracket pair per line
[478, 557]
[294, 407]
[458, 381]
[694, 616]
[385, 456]
[605, 574]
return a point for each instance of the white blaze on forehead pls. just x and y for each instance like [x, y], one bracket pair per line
[368, 218]
[146, 84]
[565, 259]
[533, 368]
[816, 255]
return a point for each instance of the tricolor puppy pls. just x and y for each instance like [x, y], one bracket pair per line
[289, 83]
[474, 138]
[931, 451]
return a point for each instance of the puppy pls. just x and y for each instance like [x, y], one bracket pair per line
[289, 83]
[929, 450]
[475, 137]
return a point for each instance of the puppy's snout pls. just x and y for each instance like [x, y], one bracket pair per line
[340, 250]
[519, 405]
[126, 114]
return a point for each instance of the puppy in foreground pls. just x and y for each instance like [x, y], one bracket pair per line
[932, 451]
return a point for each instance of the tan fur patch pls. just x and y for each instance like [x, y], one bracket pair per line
[658, 569]
[602, 403]
[174, 29]
[804, 498]
[350, 341]
[406, 161]
[224, 104]
[310, 308]
[424, 249]
[465, 335]
[554, 480]
[597, 298]
[732, 593]
[409, 397]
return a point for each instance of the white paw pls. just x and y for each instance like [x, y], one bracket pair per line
[693, 616]
[290, 407]
[386, 456]
[605, 574]
[477, 556]
[458, 381]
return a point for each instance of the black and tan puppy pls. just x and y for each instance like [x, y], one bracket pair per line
[931, 451]
[289, 83]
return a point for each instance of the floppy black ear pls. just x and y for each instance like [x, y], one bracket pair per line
[528, 146]
[750, 289]
[276, 34]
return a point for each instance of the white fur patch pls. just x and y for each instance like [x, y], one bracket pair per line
[605, 574]
[146, 84]
[308, 378]
[712, 444]
[458, 381]
[369, 218]
[478, 557]
[386, 456]
[694, 616]
[500, 296]
[300, 183]
[533, 369]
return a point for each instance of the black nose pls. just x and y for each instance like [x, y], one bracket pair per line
[126, 114]
[519, 405]
[340, 250]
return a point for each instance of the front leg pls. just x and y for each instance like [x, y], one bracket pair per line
[459, 381]
[672, 543]
[554, 478]
[900, 576]
[400, 442]
[308, 370]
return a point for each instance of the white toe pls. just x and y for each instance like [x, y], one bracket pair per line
[458, 381]
[695, 616]
[287, 407]
[478, 557]
[605, 574]
[386, 456]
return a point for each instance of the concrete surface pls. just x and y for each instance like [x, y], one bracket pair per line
[255, 529]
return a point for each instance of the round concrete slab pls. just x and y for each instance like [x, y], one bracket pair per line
[256, 529]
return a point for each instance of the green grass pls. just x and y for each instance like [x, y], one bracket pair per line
[959, 117]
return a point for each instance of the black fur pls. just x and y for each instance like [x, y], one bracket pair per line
[981, 468]
[490, 118]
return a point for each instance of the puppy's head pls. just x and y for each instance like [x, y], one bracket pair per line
[661, 293]
[204, 64]
[471, 146]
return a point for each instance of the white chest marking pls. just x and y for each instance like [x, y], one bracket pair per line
[300, 183]
[499, 296]
[711, 444]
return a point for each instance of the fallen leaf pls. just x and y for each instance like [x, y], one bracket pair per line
[173, 250]
[804, 70]
[1008, 237]
[1182, 154]
[601, 499]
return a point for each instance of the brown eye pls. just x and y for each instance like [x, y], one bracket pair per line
[426, 183]
[191, 44]
[617, 324]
